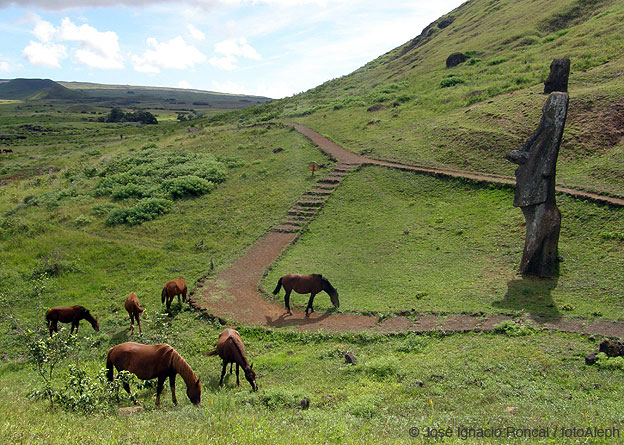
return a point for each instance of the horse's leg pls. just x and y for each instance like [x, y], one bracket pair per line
[310, 301]
[172, 378]
[231, 365]
[223, 372]
[159, 388]
[287, 300]
[169, 300]
[237, 380]
[138, 319]
[131, 323]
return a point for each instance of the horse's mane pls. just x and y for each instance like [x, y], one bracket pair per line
[235, 341]
[182, 367]
[327, 283]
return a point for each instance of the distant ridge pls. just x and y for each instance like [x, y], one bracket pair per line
[36, 89]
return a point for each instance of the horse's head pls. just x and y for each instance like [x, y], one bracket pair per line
[194, 392]
[91, 319]
[331, 291]
[250, 375]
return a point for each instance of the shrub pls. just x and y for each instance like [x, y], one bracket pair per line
[451, 81]
[413, 343]
[497, 61]
[188, 186]
[605, 362]
[146, 210]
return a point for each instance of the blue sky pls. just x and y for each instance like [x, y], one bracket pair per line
[273, 48]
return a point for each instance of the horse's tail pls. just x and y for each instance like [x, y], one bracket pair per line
[278, 287]
[211, 353]
[140, 309]
[109, 367]
[163, 295]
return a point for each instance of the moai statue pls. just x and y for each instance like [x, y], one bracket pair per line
[535, 182]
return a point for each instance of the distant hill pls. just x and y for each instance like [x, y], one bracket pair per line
[36, 89]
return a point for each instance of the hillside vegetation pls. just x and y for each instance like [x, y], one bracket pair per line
[91, 211]
[408, 106]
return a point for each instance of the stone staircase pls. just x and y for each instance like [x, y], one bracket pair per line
[312, 201]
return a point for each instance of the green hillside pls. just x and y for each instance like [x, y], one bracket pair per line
[36, 89]
[91, 211]
[408, 106]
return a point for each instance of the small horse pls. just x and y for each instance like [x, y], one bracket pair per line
[7, 150]
[154, 361]
[231, 349]
[71, 315]
[303, 284]
[134, 311]
[171, 289]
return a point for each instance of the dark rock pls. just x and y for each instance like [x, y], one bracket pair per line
[591, 358]
[455, 59]
[446, 21]
[278, 149]
[377, 107]
[611, 348]
[558, 77]
[350, 358]
[304, 404]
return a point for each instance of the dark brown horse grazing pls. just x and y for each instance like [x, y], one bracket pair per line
[134, 311]
[171, 289]
[231, 349]
[303, 284]
[71, 315]
[154, 361]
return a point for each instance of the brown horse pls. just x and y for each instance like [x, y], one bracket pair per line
[171, 289]
[154, 361]
[71, 315]
[134, 311]
[303, 284]
[231, 349]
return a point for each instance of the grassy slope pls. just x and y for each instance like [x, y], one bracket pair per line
[526, 382]
[531, 381]
[450, 260]
[472, 125]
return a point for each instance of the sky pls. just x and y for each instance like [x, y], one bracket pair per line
[273, 48]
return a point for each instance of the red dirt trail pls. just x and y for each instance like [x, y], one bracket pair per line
[235, 293]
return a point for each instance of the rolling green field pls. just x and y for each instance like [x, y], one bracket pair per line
[86, 217]
[393, 241]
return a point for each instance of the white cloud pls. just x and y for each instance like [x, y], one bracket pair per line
[4, 67]
[60, 5]
[174, 54]
[97, 49]
[44, 31]
[196, 33]
[45, 54]
[229, 87]
[184, 84]
[230, 51]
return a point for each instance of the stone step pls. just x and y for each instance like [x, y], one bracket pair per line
[331, 180]
[319, 192]
[303, 211]
[295, 222]
[286, 228]
[311, 203]
[326, 186]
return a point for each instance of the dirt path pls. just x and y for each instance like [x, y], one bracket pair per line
[236, 293]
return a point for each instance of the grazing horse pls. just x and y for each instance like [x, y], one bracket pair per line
[71, 315]
[171, 289]
[134, 311]
[231, 349]
[154, 361]
[303, 284]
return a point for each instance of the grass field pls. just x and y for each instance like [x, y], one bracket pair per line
[531, 381]
[397, 241]
[388, 240]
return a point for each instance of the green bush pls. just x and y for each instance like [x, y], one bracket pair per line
[188, 186]
[146, 210]
[451, 81]
[512, 329]
[413, 343]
